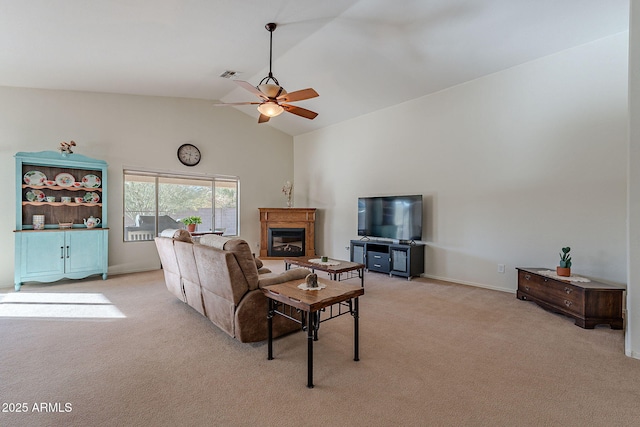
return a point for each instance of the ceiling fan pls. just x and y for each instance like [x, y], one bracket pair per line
[274, 99]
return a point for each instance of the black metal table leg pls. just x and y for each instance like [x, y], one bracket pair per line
[310, 333]
[316, 325]
[270, 313]
[356, 350]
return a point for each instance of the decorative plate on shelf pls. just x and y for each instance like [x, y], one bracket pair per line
[35, 196]
[34, 178]
[65, 179]
[92, 197]
[91, 181]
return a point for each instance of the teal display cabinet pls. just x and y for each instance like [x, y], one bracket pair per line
[56, 193]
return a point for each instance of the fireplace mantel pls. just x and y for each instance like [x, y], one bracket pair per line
[288, 218]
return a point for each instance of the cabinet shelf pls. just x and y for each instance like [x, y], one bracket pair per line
[58, 188]
[59, 204]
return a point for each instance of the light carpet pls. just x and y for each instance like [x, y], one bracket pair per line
[431, 354]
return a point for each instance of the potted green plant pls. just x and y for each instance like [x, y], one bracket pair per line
[564, 269]
[191, 222]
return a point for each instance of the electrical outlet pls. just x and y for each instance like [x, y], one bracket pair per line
[500, 268]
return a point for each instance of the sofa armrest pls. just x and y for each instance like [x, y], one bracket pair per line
[269, 279]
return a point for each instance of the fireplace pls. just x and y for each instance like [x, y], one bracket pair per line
[286, 242]
[294, 232]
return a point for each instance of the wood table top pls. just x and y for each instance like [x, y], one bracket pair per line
[305, 261]
[312, 300]
[592, 284]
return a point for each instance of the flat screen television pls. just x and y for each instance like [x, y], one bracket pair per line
[390, 217]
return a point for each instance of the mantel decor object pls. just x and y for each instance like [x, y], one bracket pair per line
[287, 189]
[65, 147]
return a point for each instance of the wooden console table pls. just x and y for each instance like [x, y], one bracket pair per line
[589, 303]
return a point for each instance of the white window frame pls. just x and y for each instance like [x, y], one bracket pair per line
[156, 176]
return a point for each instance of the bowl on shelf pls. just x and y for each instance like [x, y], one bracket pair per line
[65, 224]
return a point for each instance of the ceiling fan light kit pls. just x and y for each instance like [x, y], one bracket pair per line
[274, 99]
[270, 109]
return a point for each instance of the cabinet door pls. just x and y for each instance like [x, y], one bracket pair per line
[357, 253]
[83, 251]
[399, 260]
[42, 254]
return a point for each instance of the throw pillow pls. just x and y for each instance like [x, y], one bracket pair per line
[258, 261]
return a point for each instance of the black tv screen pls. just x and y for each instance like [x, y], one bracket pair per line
[390, 217]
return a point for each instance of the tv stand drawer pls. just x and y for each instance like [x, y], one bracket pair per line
[378, 261]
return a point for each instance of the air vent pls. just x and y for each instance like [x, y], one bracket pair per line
[229, 74]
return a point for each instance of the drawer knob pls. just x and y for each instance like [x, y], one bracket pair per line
[527, 277]
[568, 290]
[568, 303]
[526, 287]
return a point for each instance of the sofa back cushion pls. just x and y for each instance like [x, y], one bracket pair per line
[189, 273]
[242, 253]
[220, 273]
[177, 234]
[170, 266]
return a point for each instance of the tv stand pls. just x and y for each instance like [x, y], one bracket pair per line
[395, 259]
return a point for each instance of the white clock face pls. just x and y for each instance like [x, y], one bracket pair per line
[189, 155]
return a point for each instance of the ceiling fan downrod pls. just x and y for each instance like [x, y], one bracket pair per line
[271, 27]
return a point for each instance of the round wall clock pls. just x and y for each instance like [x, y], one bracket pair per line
[189, 154]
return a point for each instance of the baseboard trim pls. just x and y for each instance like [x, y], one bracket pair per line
[466, 283]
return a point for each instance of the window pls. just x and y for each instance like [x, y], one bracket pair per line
[156, 201]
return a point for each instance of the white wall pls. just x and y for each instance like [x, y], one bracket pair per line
[138, 131]
[632, 345]
[512, 166]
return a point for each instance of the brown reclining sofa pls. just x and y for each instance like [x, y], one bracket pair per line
[220, 278]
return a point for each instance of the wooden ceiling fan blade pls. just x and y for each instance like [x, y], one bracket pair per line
[251, 88]
[263, 118]
[222, 104]
[299, 111]
[298, 95]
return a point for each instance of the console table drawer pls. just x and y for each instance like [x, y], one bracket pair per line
[378, 261]
[564, 294]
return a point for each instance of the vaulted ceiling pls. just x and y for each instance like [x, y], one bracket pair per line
[359, 55]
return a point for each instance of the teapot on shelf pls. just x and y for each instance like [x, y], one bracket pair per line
[91, 221]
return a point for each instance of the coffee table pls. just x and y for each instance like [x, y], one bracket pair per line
[334, 267]
[287, 298]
